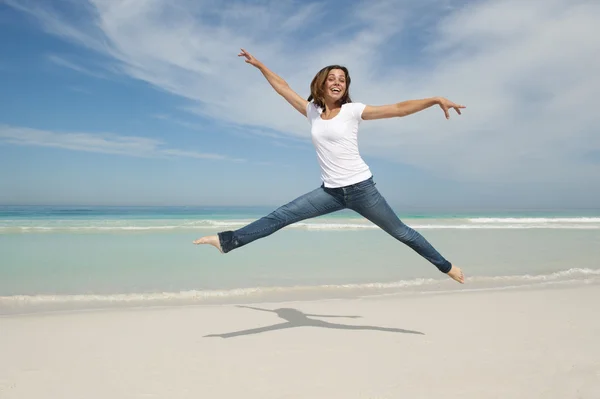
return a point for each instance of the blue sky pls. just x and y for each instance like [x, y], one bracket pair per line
[146, 102]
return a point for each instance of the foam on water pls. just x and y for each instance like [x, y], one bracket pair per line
[536, 220]
[23, 226]
[23, 303]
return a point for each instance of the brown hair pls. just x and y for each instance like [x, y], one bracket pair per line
[318, 82]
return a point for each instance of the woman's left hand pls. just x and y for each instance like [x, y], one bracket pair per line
[446, 104]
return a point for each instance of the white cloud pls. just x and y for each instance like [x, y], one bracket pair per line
[99, 143]
[62, 61]
[527, 71]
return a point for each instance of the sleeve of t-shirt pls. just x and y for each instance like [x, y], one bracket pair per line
[357, 110]
[312, 112]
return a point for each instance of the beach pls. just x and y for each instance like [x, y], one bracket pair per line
[512, 343]
[118, 303]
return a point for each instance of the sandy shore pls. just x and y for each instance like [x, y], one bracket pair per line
[501, 344]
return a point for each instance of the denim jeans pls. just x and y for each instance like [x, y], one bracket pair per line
[362, 198]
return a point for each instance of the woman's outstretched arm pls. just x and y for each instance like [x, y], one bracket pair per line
[280, 85]
[409, 107]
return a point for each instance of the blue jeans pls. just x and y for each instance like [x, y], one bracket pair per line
[361, 197]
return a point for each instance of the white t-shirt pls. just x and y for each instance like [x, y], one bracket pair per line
[336, 142]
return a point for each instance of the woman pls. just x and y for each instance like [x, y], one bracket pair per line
[347, 180]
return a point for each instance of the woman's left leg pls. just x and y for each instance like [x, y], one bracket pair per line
[365, 199]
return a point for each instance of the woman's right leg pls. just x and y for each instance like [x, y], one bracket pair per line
[315, 203]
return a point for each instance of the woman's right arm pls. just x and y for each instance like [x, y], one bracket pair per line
[277, 83]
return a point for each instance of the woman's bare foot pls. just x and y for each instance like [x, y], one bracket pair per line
[212, 240]
[457, 274]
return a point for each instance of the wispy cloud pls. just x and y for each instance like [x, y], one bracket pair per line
[62, 61]
[100, 143]
[277, 138]
[180, 122]
[527, 70]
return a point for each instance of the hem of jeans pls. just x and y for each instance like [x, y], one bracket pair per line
[224, 248]
[448, 266]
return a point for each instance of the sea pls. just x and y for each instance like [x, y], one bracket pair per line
[65, 258]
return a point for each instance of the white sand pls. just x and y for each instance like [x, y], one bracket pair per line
[503, 344]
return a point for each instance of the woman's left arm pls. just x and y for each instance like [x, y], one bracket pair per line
[409, 107]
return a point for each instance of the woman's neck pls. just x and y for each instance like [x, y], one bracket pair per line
[331, 106]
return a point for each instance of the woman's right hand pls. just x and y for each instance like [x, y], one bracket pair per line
[280, 85]
[249, 58]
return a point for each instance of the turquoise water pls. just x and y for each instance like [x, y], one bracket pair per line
[65, 257]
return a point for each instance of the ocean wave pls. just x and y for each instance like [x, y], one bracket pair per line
[526, 220]
[570, 273]
[200, 296]
[58, 226]
[196, 295]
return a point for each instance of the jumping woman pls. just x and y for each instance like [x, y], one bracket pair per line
[347, 179]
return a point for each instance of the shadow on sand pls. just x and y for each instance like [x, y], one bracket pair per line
[295, 318]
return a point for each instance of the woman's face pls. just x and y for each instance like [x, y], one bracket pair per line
[335, 85]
